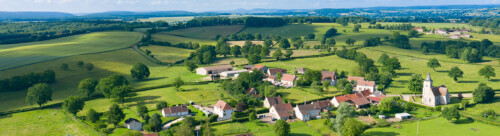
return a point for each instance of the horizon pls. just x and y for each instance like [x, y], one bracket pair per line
[95, 6]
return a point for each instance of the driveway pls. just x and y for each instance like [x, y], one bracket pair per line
[166, 126]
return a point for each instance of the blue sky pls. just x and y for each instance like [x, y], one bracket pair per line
[89, 6]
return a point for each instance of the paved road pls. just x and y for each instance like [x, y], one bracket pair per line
[166, 126]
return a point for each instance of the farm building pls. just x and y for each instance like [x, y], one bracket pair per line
[465, 36]
[329, 76]
[271, 79]
[418, 29]
[357, 100]
[262, 68]
[224, 110]
[253, 92]
[133, 124]
[362, 85]
[355, 78]
[403, 116]
[288, 80]
[213, 69]
[175, 111]
[324, 104]
[281, 111]
[454, 36]
[232, 73]
[275, 71]
[376, 100]
[270, 101]
[301, 70]
[307, 111]
[248, 67]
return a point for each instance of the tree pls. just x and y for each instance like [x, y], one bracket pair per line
[73, 104]
[191, 66]
[140, 71]
[433, 63]
[330, 42]
[155, 123]
[288, 54]
[388, 104]
[277, 54]
[160, 105]
[236, 50]
[310, 36]
[352, 127]
[348, 88]
[281, 128]
[265, 51]
[413, 33]
[284, 44]
[115, 114]
[64, 66]
[326, 84]
[89, 66]
[184, 129]
[87, 86]
[344, 111]
[487, 71]
[39, 94]
[92, 116]
[416, 83]
[254, 59]
[279, 75]
[384, 57]
[455, 73]
[350, 41]
[449, 113]
[120, 93]
[252, 116]
[178, 83]
[142, 110]
[107, 84]
[483, 93]
[392, 64]
[330, 33]
[268, 42]
[207, 131]
[80, 63]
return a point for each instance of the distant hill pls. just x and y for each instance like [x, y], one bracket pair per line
[33, 14]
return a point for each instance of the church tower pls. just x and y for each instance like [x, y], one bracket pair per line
[428, 81]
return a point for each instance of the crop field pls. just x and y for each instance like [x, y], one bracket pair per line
[167, 19]
[437, 126]
[167, 54]
[162, 36]
[206, 32]
[15, 55]
[51, 122]
[298, 128]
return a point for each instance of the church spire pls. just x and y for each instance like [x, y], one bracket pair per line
[428, 77]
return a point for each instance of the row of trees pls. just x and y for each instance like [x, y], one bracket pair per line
[468, 51]
[27, 80]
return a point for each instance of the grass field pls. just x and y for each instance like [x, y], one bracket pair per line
[167, 54]
[14, 55]
[167, 19]
[478, 108]
[51, 122]
[298, 128]
[438, 126]
[206, 32]
[162, 36]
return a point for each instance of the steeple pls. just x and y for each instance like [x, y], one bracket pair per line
[428, 77]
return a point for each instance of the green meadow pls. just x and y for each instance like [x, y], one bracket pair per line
[206, 32]
[163, 36]
[298, 128]
[167, 54]
[15, 55]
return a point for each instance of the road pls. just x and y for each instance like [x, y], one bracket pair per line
[166, 126]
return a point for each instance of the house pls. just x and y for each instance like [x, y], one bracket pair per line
[418, 29]
[175, 111]
[360, 103]
[262, 68]
[270, 101]
[357, 100]
[324, 104]
[248, 67]
[232, 73]
[224, 110]
[275, 71]
[465, 36]
[288, 80]
[403, 116]
[381, 116]
[301, 70]
[213, 69]
[329, 76]
[355, 78]
[454, 36]
[252, 92]
[281, 111]
[433, 96]
[376, 100]
[455, 33]
[272, 79]
[306, 111]
[463, 30]
[133, 124]
[441, 32]
[362, 85]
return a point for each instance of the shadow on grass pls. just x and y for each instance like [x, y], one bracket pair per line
[141, 98]
[151, 79]
[295, 134]
[6, 116]
[402, 81]
[404, 74]
[467, 81]
[378, 133]
[464, 121]
[494, 80]
[443, 71]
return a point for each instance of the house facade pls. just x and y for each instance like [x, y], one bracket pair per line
[307, 111]
[270, 101]
[224, 110]
[362, 85]
[213, 69]
[275, 71]
[282, 111]
[133, 124]
[288, 80]
[433, 96]
[175, 111]
[329, 76]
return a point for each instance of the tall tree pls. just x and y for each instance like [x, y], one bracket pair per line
[252, 116]
[384, 57]
[253, 59]
[455, 73]
[392, 64]
[487, 71]
[284, 44]
[73, 104]
[277, 54]
[268, 42]
[142, 110]
[330, 42]
[352, 127]
[344, 111]
[413, 33]
[483, 93]
[87, 86]
[416, 83]
[236, 50]
[160, 105]
[39, 94]
[121, 92]
[281, 128]
[89, 67]
[191, 66]
[106, 85]
[265, 51]
[330, 33]
[348, 88]
[350, 41]
[92, 116]
[288, 54]
[449, 113]
[115, 114]
[155, 123]
[433, 63]
[178, 83]
[140, 71]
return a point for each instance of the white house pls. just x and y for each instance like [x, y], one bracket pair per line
[175, 111]
[224, 110]
[133, 124]
[403, 115]
[329, 76]
[272, 79]
[281, 111]
[454, 36]
[270, 101]
[232, 73]
[288, 80]
[307, 111]
[213, 69]
[365, 85]
[441, 32]
[433, 96]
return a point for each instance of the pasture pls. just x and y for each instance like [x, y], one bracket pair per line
[15, 55]
[163, 36]
[437, 126]
[298, 128]
[477, 108]
[166, 19]
[206, 32]
[167, 54]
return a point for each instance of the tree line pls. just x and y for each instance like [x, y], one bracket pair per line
[27, 80]
[470, 51]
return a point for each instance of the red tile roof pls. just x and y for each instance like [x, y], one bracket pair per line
[276, 71]
[366, 83]
[328, 75]
[223, 105]
[360, 101]
[274, 100]
[258, 67]
[175, 109]
[271, 77]
[377, 99]
[323, 103]
[350, 78]
[366, 93]
[348, 97]
[288, 77]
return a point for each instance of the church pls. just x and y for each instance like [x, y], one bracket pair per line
[433, 96]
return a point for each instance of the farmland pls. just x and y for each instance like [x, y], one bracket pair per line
[167, 19]
[206, 32]
[162, 36]
[167, 54]
[262, 129]
[15, 55]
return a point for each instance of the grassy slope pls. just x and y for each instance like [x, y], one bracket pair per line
[167, 54]
[298, 128]
[478, 108]
[15, 55]
[438, 126]
[167, 19]
[162, 36]
[27, 123]
[206, 32]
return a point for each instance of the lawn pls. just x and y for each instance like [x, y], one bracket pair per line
[438, 126]
[298, 128]
[206, 32]
[318, 126]
[51, 122]
[296, 95]
[167, 54]
[320, 63]
[164, 36]
[15, 55]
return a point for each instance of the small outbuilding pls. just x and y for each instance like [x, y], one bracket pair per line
[133, 124]
[403, 116]
[213, 69]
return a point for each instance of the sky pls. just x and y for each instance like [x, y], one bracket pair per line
[92, 6]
